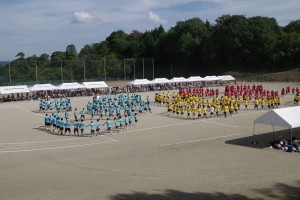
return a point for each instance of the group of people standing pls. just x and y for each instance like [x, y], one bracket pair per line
[114, 112]
[204, 103]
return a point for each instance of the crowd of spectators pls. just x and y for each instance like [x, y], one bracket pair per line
[91, 92]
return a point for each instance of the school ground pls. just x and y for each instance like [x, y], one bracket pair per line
[162, 158]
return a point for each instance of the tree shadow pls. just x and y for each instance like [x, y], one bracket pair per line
[179, 195]
[262, 140]
[279, 191]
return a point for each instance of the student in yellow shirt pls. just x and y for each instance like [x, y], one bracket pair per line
[218, 109]
[181, 112]
[170, 106]
[188, 111]
[236, 108]
[262, 103]
[231, 108]
[177, 111]
[246, 103]
[278, 101]
[256, 103]
[199, 111]
[270, 103]
[204, 112]
[174, 110]
[194, 112]
[225, 109]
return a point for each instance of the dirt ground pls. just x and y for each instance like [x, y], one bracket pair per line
[162, 158]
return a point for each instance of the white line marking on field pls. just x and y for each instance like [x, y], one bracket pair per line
[27, 110]
[54, 148]
[156, 127]
[44, 141]
[192, 121]
[220, 124]
[48, 145]
[62, 140]
[201, 140]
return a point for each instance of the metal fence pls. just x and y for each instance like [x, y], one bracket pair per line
[30, 72]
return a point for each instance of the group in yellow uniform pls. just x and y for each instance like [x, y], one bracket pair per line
[195, 106]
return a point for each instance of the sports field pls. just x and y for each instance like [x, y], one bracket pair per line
[162, 158]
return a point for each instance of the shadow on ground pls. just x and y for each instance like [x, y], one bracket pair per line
[263, 139]
[278, 192]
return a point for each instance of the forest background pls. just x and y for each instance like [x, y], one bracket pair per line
[233, 44]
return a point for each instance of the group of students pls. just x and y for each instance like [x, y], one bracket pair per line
[61, 104]
[124, 110]
[195, 106]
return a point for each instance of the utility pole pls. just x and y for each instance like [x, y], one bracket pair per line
[84, 70]
[153, 67]
[9, 76]
[133, 69]
[124, 70]
[36, 72]
[104, 69]
[143, 68]
[61, 72]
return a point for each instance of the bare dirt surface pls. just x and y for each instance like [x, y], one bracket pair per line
[161, 158]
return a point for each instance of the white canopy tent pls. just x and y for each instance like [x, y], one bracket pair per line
[226, 78]
[283, 117]
[211, 78]
[178, 80]
[43, 87]
[140, 82]
[160, 81]
[70, 86]
[14, 89]
[194, 79]
[97, 84]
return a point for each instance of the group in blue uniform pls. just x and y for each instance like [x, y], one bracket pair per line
[123, 109]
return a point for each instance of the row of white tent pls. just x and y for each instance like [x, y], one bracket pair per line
[182, 80]
[44, 87]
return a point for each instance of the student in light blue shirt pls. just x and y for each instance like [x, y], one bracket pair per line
[116, 124]
[81, 126]
[53, 123]
[136, 118]
[92, 113]
[126, 121]
[67, 127]
[57, 123]
[75, 113]
[107, 123]
[98, 127]
[92, 125]
[62, 124]
[76, 125]
[67, 115]
[82, 113]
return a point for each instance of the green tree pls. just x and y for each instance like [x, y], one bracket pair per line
[117, 42]
[232, 36]
[58, 55]
[71, 52]
[293, 26]
[20, 55]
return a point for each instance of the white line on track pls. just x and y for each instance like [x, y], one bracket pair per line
[27, 110]
[54, 148]
[62, 140]
[193, 121]
[220, 124]
[201, 140]
[45, 141]
[49, 145]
